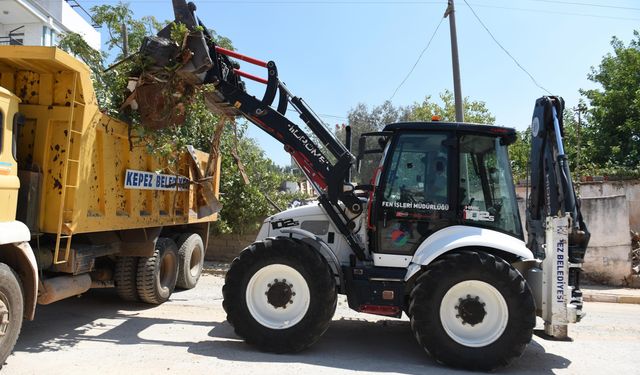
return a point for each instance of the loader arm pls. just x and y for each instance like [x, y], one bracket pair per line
[205, 65]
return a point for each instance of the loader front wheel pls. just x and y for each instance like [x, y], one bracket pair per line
[472, 310]
[158, 273]
[279, 295]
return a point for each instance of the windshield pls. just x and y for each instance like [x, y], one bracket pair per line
[486, 185]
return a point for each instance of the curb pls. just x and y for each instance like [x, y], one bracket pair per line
[610, 298]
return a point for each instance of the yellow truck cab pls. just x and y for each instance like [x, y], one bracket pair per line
[82, 206]
[18, 269]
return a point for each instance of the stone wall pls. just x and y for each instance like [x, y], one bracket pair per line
[225, 247]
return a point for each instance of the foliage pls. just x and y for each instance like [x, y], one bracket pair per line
[474, 111]
[363, 120]
[574, 148]
[613, 130]
[119, 22]
[245, 206]
[519, 154]
[74, 44]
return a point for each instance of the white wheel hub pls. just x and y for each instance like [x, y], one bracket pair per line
[277, 296]
[474, 313]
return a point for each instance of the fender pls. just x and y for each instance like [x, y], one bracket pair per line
[459, 236]
[16, 252]
[14, 232]
[320, 246]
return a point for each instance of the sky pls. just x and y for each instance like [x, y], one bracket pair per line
[336, 54]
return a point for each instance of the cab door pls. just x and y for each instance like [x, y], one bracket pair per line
[414, 198]
[9, 182]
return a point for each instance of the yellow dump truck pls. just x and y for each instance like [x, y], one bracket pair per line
[81, 206]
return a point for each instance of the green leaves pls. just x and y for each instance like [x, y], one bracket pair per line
[363, 120]
[614, 116]
[474, 111]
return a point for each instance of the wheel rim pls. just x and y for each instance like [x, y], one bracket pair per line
[167, 266]
[474, 313]
[196, 256]
[4, 317]
[277, 296]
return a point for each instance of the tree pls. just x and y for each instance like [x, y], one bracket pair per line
[520, 150]
[613, 129]
[363, 120]
[75, 44]
[474, 111]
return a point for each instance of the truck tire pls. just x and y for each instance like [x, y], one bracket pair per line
[125, 278]
[11, 310]
[279, 295]
[191, 260]
[158, 273]
[472, 310]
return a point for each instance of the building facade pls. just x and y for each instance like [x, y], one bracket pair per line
[41, 22]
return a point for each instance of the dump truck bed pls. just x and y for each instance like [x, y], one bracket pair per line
[87, 174]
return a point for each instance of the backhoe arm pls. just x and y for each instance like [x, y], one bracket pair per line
[557, 233]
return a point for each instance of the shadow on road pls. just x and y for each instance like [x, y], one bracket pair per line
[372, 347]
[98, 315]
[353, 344]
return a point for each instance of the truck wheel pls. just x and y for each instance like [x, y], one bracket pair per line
[472, 310]
[191, 260]
[125, 278]
[279, 295]
[157, 274]
[11, 309]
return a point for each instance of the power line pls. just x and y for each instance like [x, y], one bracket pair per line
[505, 50]
[418, 60]
[544, 11]
[585, 4]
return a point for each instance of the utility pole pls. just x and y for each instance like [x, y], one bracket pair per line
[457, 89]
[580, 108]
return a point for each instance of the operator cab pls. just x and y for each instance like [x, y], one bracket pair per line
[435, 175]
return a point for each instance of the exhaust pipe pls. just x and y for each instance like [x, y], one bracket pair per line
[58, 288]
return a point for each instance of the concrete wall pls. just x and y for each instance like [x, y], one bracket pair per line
[631, 189]
[608, 257]
[610, 210]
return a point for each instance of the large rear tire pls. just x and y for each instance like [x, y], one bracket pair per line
[279, 295]
[191, 260]
[157, 274]
[472, 310]
[11, 310]
[125, 278]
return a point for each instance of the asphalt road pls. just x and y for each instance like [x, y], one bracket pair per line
[98, 333]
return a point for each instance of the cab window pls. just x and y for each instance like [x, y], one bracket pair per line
[486, 186]
[18, 121]
[418, 171]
